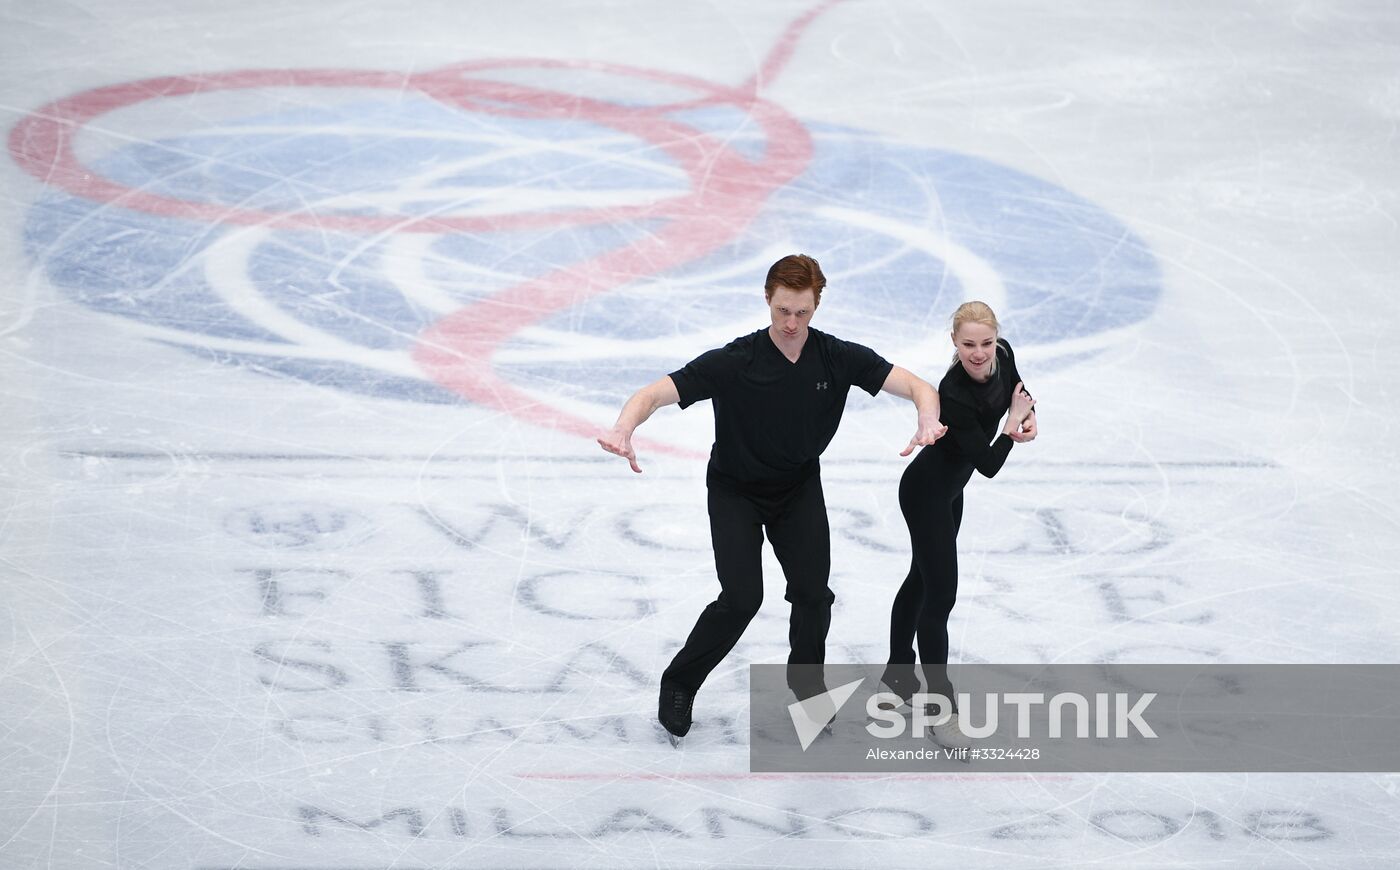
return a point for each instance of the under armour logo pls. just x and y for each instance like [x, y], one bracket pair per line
[822, 385]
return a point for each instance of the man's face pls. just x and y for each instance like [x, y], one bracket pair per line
[792, 310]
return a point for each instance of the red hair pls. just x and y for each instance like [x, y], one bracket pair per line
[795, 272]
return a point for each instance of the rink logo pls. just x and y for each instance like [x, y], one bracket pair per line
[298, 525]
[665, 818]
[231, 237]
[1113, 714]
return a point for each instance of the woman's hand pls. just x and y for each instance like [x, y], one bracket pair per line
[1027, 432]
[1021, 405]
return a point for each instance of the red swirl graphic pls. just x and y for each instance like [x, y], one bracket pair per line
[727, 190]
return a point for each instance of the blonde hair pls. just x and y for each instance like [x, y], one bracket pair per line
[975, 312]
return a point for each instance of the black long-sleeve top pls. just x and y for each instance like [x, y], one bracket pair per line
[971, 411]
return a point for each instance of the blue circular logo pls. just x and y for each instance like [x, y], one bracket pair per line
[412, 207]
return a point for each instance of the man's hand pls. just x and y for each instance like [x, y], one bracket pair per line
[902, 383]
[619, 443]
[930, 430]
[618, 440]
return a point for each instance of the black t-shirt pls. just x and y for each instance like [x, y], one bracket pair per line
[971, 411]
[773, 417]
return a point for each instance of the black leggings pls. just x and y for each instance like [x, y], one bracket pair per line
[795, 519]
[930, 495]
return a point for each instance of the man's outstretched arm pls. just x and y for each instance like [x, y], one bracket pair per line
[903, 383]
[643, 403]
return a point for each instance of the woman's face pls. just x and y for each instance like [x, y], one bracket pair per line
[977, 349]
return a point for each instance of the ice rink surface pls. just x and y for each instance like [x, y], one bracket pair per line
[310, 314]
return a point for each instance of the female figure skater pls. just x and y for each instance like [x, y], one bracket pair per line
[979, 388]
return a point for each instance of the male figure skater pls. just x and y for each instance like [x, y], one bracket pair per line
[778, 394]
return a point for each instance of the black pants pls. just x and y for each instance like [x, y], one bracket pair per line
[795, 520]
[930, 496]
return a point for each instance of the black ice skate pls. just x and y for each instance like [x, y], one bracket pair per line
[673, 711]
[902, 680]
[808, 712]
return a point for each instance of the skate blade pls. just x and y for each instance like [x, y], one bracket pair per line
[676, 739]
